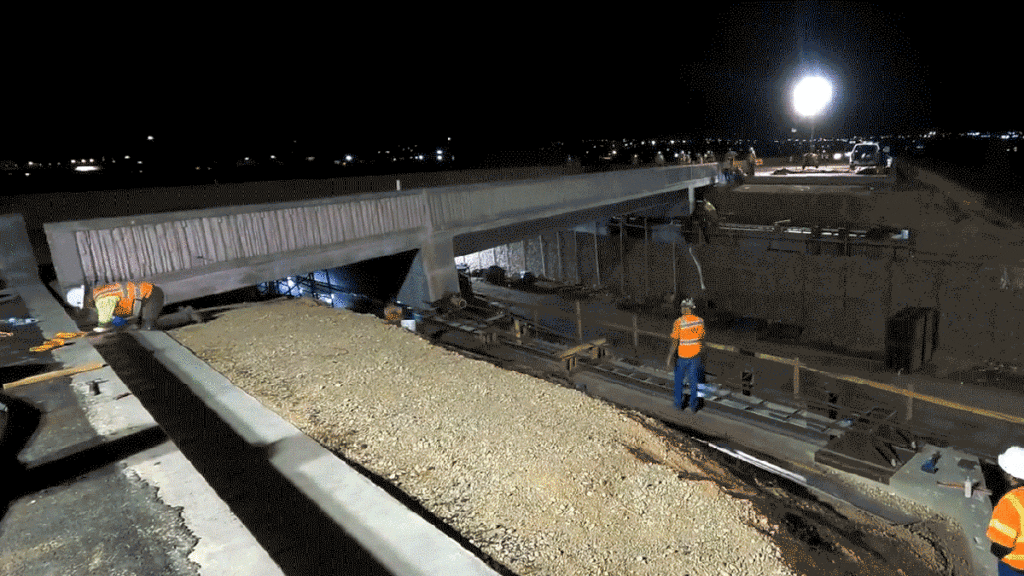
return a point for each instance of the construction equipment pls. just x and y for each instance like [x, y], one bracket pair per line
[746, 164]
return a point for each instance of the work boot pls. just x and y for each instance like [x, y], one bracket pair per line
[686, 402]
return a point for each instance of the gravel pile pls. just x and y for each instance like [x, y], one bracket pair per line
[541, 478]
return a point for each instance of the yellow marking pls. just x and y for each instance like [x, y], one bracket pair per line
[879, 385]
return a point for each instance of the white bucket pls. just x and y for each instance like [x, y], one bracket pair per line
[409, 325]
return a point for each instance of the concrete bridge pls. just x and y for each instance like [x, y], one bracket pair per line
[201, 252]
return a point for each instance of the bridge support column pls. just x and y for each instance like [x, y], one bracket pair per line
[432, 275]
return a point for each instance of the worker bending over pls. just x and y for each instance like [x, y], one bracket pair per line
[115, 304]
[1006, 529]
[686, 347]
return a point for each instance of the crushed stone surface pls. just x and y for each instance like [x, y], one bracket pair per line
[540, 478]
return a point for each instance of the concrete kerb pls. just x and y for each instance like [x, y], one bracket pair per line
[401, 540]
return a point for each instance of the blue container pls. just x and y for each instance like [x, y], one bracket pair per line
[929, 464]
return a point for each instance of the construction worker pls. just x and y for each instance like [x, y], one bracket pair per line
[1006, 529]
[393, 313]
[686, 348]
[116, 303]
[704, 220]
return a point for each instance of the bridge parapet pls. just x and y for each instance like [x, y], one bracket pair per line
[175, 244]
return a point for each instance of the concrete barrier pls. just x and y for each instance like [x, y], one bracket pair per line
[397, 537]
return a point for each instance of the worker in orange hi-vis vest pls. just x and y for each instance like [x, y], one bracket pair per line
[117, 303]
[1006, 529]
[685, 349]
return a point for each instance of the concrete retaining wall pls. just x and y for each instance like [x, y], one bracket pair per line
[842, 302]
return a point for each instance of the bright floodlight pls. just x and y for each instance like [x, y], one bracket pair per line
[811, 95]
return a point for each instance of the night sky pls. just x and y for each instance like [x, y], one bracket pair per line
[499, 75]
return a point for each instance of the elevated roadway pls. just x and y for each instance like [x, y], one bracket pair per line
[201, 252]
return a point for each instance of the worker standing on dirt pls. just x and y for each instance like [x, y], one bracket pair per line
[686, 348]
[1006, 529]
[704, 221]
[116, 303]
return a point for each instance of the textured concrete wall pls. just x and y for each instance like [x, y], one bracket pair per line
[826, 209]
[966, 306]
[843, 302]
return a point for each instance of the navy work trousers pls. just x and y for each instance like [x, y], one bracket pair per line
[691, 369]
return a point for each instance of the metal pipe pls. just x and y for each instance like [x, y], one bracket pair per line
[622, 256]
[597, 259]
[576, 254]
[579, 321]
[558, 253]
[543, 257]
[636, 336]
[796, 376]
[647, 263]
[675, 279]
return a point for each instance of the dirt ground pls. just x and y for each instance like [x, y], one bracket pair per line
[537, 477]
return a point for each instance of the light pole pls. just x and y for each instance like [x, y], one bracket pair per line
[810, 96]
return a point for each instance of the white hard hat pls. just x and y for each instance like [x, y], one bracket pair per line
[1012, 461]
[76, 296]
[686, 303]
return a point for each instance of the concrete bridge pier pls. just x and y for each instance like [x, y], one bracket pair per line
[432, 275]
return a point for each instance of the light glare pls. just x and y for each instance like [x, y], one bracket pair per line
[811, 95]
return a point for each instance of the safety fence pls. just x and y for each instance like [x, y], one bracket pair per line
[604, 330]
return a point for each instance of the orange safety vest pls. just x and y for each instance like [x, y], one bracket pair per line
[1007, 526]
[689, 331]
[126, 292]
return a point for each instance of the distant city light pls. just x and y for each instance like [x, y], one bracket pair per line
[348, 157]
[86, 168]
[149, 137]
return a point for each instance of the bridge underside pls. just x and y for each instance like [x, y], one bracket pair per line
[433, 274]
